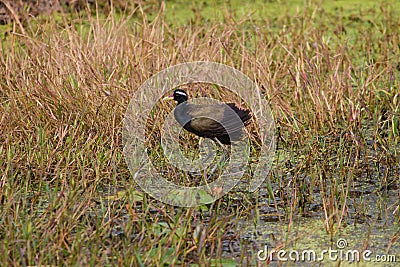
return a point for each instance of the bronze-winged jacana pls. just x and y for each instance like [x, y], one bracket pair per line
[214, 121]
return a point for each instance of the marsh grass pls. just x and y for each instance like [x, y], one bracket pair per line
[67, 197]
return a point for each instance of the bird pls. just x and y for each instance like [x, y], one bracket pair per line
[198, 118]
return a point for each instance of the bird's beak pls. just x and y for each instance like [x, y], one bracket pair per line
[168, 98]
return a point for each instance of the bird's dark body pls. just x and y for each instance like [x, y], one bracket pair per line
[215, 121]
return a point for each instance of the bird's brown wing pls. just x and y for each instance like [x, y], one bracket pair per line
[216, 120]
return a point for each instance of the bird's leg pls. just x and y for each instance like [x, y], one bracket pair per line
[214, 168]
[223, 156]
[200, 141]
[221, 145]
[205, 153]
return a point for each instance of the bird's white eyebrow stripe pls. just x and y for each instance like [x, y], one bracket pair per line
[180, 93]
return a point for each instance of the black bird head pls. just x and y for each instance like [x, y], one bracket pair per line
[179, 96]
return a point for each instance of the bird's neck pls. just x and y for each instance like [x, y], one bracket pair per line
[181, 113]
[181, 101]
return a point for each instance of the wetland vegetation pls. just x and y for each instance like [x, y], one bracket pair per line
[329, 70]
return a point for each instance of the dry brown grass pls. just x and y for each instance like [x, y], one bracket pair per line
[66, 194]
